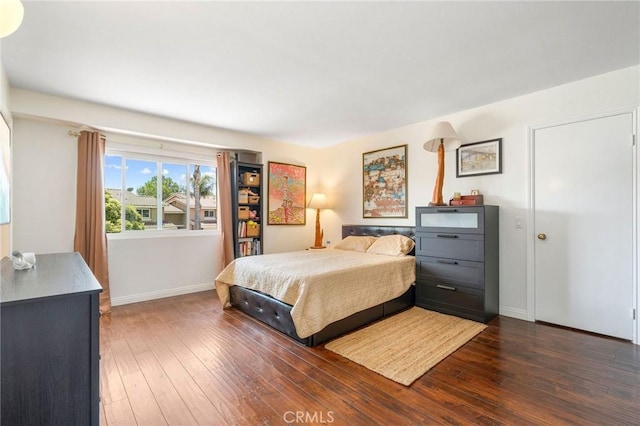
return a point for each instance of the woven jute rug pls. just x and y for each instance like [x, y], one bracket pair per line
[405, 346]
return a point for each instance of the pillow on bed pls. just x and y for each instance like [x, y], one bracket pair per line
[354, 243]
[392, 245]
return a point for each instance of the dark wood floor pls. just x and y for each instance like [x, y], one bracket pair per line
[183, 361]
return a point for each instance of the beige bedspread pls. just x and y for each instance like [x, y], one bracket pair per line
[323, 286]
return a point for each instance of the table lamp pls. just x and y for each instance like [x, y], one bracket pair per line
[318, 201]
[441, 138]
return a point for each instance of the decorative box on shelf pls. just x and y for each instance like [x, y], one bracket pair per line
[243, 196]
[253, 230]
[243, 212]
[251, 179]
[467, 200]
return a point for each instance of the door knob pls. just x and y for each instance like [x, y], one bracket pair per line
[542, 236]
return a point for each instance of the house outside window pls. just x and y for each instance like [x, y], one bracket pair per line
[155, 193]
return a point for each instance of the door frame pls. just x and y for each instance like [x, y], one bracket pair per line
[635, 112]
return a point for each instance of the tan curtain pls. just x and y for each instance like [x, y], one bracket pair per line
[90, 238]
[225, 205]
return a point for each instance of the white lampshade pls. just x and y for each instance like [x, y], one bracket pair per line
[11, 14]
[442, 131]
[318, 201]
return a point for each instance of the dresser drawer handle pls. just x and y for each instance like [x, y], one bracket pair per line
[445, 287]
[446, 210]
[447, 262]
[446, 236]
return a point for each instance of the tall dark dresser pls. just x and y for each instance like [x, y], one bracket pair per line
[49, 320]
[457, 264]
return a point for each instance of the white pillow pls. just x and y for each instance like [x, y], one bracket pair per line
[392, 245]
[355, 243]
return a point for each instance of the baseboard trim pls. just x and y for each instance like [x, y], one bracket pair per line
[143, 297]
[514, 313]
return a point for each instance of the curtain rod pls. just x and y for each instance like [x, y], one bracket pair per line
[159, 144]
[152, 143]
[75, 133]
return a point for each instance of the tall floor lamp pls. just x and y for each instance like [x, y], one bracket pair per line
[441, 138]
[318, 201]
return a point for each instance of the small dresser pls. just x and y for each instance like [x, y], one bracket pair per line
[49, 343]
[457, 266]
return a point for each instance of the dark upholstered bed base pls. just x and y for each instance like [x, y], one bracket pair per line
[278, 314]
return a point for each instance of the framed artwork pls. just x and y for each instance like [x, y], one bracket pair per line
[384, 183]
[479, 158]
[286, 194]
[5, 172]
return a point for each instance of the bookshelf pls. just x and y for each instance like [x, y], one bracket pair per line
[247, 181]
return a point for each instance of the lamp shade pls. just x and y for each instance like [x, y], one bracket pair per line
[11, 14]
[442, 131]
[318, 201]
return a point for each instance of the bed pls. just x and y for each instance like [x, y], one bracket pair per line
[285, 317]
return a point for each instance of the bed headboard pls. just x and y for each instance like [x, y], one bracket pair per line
[377, 230]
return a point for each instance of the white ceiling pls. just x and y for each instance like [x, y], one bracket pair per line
[314, 73]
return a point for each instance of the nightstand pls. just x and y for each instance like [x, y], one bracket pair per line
[457, 267]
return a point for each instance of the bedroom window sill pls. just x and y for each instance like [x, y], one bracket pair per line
[140, 235]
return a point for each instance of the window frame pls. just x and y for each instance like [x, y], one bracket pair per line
[159, 156]
[142, 211]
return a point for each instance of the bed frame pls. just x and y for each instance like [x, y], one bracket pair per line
[278, 314]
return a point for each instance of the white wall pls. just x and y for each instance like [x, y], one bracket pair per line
[510, 120]
[150, 268]
[44, 182]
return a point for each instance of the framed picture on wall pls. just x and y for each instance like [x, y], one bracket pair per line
[286, 194]
[384, 183]
[5, 172]
[479, 158]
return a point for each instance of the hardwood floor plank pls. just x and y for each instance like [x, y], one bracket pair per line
[235, 402]
[196, 401]
[119, 413]
[143, 403]
[123, 357]
[111, 387]
[198, 364]
[103, 417]
[201, 408]
[173, 408]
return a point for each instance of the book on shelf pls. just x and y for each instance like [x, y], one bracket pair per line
[249, 247]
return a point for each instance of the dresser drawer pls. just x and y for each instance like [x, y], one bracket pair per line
[450, 299]
[450, 271]
[450, 245]
[468, 220]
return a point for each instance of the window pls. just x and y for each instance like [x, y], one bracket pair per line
[145, 213]
[148, 192]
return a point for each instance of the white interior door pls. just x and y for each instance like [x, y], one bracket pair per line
[583, 205]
